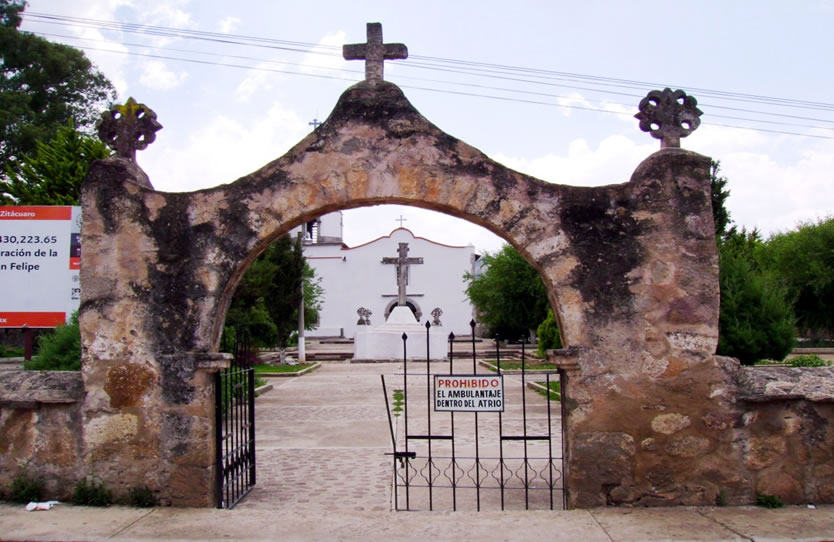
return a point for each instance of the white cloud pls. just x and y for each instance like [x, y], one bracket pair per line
[770, 189]
[222, 150]
[255, 81]
[157, 76]
[169, 14]
[229, 24]
[613, 161]
[568, 102]
[323, 58]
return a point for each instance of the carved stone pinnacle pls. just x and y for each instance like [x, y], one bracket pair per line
[374, 52]
[669, 116]
[128, 128]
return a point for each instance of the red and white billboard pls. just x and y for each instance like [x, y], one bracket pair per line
[40, 258]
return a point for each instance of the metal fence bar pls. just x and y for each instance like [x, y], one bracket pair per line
[452, 420]
[393, 441]
[428, 412]
[405, 416]
[549, 441]
[500, 422]
[524, 417]
[477, 443]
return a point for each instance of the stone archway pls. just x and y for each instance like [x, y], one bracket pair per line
[631, 273]
[630, 269]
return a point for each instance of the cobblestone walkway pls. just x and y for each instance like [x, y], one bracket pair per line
[321, 442]
[322, 439]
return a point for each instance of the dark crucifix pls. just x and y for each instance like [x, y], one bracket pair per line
[402, 262]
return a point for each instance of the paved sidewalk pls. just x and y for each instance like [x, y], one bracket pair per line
[68, 523]
[323, 475]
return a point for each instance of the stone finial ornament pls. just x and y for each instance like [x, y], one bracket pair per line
[374, 52]
[364, 316]
[436, 314]
[128, 128]
[669, 116]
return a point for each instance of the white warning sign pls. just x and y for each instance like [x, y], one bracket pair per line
[469, 393]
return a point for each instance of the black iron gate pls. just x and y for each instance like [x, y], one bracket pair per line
[234, 391]
[509, 457]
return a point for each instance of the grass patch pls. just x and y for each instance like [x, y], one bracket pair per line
[7, 351]
[264, 368]
[555, 390]
[259, 382]
[807, 360]
[516, 366]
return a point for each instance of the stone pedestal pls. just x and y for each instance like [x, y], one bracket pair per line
[385, 343]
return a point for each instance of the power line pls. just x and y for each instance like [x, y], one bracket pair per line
[473, 67]
[467, 68]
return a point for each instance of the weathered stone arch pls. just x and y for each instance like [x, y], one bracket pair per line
[631, 271]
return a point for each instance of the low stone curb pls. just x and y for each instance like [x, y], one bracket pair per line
[291, 375]
[263, 389]
[543, 389]
[494, 368]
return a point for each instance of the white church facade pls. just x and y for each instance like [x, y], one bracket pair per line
[362, 284]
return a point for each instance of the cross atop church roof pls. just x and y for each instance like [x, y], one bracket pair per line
[374, 52]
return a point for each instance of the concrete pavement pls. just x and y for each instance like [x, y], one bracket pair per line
[69, 523]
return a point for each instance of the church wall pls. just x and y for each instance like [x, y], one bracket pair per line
[356, 277]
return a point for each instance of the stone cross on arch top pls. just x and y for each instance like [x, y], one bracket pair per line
[374, 52]
[402, 262]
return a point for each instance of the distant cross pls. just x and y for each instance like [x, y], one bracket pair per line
[402, 262]
[401, 220]
[314, 123]
[374, 52]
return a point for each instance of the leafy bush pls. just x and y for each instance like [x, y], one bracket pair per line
[91, 493]
[59, 350]
[808, 360]
[548, 334]
[142, 497]
[25, 488]
[768, 501]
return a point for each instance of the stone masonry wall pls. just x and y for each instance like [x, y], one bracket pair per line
[41, 429]
[788, 430]
[631, 270]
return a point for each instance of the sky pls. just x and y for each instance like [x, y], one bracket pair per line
[548, 88]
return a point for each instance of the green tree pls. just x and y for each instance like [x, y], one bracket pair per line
[54, 174]
[269, 293]
[718, 188]
[43, 85]
[755, 320]
[803, 260]
[509, 295]
[548, 334]
[59, 350]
